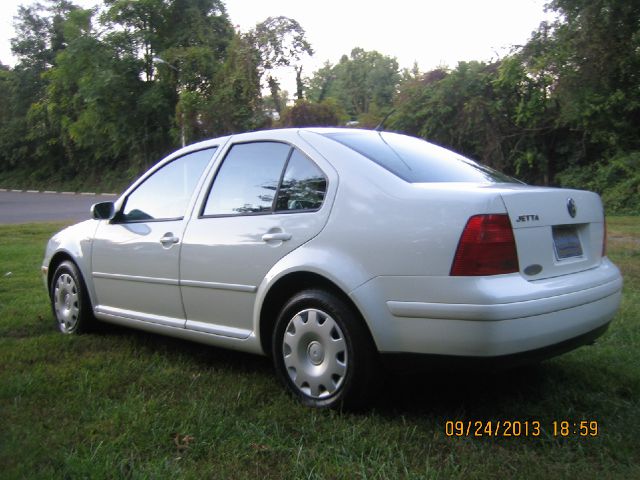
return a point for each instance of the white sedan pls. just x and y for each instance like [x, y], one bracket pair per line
[334, 251]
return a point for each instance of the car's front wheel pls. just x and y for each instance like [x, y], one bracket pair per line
[69, 300]
[323, 352]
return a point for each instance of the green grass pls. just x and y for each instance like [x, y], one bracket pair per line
[124, 404]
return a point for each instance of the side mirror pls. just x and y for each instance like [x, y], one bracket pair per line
[103, 211]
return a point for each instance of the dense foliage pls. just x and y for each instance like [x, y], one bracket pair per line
[98, 95]
[95, 92]
[564, 109]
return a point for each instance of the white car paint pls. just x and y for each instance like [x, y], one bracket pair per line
[385, 243]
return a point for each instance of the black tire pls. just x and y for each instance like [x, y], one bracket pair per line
[323, 353]
[70, 301]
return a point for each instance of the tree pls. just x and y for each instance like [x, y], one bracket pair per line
[498, 113]
[321, 84]
[89, 93]
[363, 83]
[280, 42]
[191, 37]
[27, 143]
[140, 23]
[90, 99]
[559, 109]
[592, 54]
[13, 129]
[236, 104]
[310, 114]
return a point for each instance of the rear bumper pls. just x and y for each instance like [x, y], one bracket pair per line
[411, 362]
[503, 311]
[493, 317]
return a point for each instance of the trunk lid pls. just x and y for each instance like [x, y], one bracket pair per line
[557, 231]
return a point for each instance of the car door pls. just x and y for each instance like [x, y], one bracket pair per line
[267, 199]
[135, 256]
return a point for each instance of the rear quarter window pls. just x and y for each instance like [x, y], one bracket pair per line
[303, 185]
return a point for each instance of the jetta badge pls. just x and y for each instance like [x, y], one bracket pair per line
[571, 207]
[528, 218]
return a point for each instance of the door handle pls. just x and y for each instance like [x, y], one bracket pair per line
[282, 236]
[169, 239]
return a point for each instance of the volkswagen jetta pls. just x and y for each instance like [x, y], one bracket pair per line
[333, 250]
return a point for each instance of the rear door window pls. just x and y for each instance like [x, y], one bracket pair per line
[263, 178]
[248, 179]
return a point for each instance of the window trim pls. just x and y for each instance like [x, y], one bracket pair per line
[282, 174]
[118, 217]
[292, 148]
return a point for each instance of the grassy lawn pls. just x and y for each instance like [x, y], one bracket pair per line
[125, 404]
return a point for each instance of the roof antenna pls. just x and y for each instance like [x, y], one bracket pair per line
[381, 124]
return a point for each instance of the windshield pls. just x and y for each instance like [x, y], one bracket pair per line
[416, 160]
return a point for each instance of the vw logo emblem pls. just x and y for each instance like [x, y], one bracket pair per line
[571, 207]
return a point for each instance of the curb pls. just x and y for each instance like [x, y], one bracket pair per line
[88, 194]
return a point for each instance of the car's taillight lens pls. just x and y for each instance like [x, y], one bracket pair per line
[486, 247]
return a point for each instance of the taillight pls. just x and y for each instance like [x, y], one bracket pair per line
[486, 247]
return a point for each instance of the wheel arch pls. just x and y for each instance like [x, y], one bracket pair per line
[287, 286]
[60, 257]
[72, 244]
[54, 263]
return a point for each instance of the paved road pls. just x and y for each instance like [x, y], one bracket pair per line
[23, 207]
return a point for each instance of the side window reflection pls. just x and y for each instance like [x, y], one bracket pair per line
[248, 179]
[166, 193]
[303, 185]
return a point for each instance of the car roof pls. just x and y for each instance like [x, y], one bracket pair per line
[275, 134]
[280, 132]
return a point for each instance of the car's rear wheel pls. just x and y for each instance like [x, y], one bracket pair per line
[322, 352]
[69, 300]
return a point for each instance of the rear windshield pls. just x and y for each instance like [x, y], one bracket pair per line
[416, 160]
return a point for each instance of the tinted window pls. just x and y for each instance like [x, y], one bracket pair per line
[166, 193]
[248, 179]
[303, 185]
[415, 160]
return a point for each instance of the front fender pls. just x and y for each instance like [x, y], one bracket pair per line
[74, 242]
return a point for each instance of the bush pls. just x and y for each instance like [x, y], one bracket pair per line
[617, 181]
[309, 114]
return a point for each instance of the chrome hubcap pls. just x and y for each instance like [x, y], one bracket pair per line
[66, 302]
[315, 353]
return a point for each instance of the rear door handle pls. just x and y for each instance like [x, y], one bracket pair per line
[169, 239]
[282, 236]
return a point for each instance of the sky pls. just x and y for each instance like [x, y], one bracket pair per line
[431, 33]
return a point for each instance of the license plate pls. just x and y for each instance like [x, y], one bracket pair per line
[566, 242]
